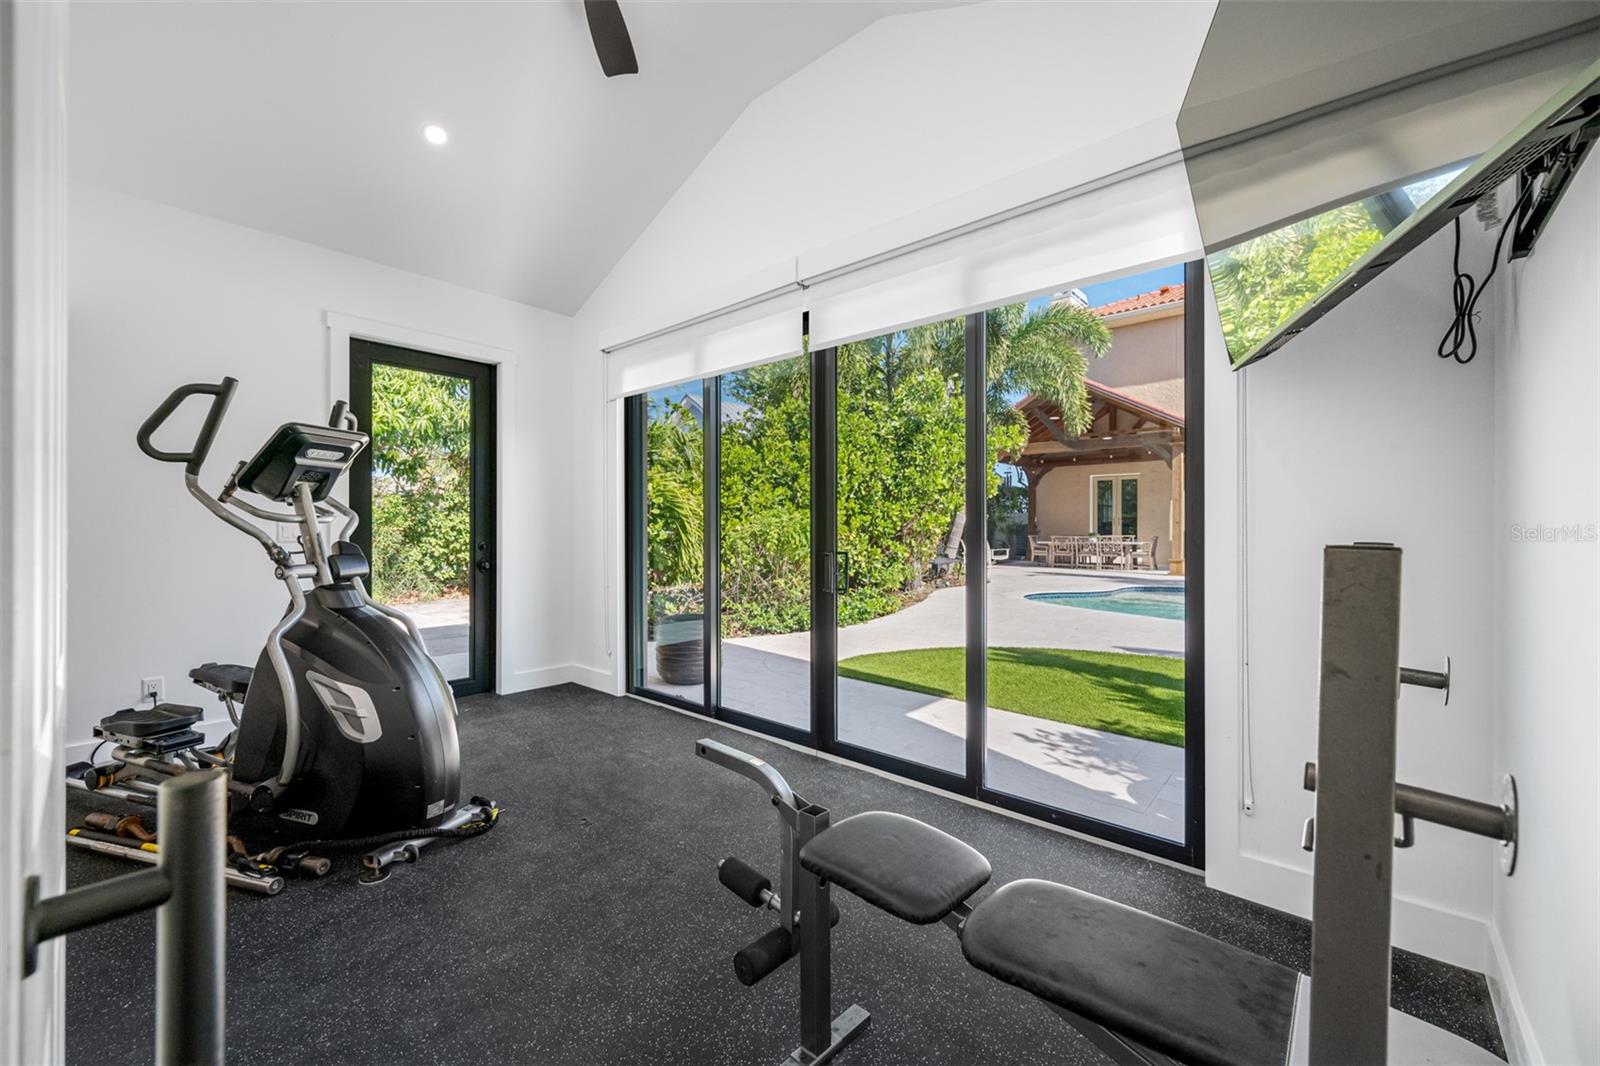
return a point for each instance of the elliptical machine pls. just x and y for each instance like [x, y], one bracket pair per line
[348, 728]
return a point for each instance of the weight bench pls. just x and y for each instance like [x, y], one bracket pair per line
[1142, 989]
[1145, 991]
[1139, 986]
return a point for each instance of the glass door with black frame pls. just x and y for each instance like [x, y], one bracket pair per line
[900, 480]
[425, 494]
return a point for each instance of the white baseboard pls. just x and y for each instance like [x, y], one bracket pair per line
[565, 673]
[1458, 939]
[1522, 1048]
[589, 677]
[535, 677]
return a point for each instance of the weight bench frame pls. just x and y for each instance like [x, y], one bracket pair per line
[823, 1036]
[800, 893]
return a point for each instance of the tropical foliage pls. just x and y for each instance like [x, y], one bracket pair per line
[421, 482]
[901, 465]
[1263, 281]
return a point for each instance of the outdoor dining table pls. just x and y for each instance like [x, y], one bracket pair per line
[1100, 551]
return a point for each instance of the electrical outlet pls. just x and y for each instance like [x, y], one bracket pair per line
[153, 688]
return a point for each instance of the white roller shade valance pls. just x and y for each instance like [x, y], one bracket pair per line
[1140, 217]
[759, 332]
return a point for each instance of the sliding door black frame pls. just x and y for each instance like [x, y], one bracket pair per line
[830, 576]
[712, 405]
[636, 468]
[634, 414]
[1191, 851]
[1194, 555]
[482, 580]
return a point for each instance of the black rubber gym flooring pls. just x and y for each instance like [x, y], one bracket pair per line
[589, 926]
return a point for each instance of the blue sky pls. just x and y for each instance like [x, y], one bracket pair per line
[1106, 292]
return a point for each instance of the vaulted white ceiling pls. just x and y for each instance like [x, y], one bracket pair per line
[305, 119]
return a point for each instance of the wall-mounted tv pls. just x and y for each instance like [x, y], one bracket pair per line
[1270, 287]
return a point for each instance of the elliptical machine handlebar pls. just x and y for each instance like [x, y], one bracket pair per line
[341, 418]
[195, 457]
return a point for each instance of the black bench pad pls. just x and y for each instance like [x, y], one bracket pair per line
[909, 868]
[1174, 990]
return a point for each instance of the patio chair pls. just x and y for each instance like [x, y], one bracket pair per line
[1091, 551]
[1041, 545]
[1128, 553]
[1114, 552]
[1145, 551]
[1062, 551]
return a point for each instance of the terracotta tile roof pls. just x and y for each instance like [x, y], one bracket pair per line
[1167, 294]
[1164, 398]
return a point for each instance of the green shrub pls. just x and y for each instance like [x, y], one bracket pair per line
[421, 484]
[901, 463]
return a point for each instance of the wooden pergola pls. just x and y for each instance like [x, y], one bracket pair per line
[1123, 429]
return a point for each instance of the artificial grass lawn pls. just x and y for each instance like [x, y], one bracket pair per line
[1134, 695]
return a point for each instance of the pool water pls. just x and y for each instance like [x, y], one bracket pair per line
[1151, 601]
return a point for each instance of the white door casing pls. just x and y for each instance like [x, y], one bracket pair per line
[33, 453]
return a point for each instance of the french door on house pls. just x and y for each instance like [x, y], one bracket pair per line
[1115, 504]
[424, 491]
[833, 549]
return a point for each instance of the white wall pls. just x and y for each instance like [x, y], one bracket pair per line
[1546, 966]
[1358, 430]
[160, 297]
[858, 152]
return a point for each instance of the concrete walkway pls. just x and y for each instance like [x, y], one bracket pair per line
[1129, 782]
[446, 627]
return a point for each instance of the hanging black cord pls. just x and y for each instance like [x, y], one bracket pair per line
[1460, 341]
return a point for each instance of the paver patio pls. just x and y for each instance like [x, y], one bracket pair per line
[1130, 782]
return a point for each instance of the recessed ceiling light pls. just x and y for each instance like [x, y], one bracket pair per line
[435, 134]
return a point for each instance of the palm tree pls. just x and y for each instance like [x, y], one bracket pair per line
[1044, 353]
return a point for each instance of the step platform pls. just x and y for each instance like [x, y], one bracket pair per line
[162, 729]
[228, 680]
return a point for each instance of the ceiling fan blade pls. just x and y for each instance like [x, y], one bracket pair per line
[611, 41]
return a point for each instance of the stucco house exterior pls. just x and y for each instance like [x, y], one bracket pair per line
[1124, 475]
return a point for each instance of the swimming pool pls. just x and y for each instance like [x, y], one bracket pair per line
[1151, 601]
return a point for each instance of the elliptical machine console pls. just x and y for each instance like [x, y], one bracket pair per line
[347, 729]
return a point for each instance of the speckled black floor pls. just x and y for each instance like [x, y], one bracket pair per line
[590, 928]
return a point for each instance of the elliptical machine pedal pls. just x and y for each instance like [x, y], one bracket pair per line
[160, 730]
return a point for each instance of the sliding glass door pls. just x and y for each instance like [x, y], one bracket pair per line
[764, 552]
[959, 552]
[673, 601]
[900, 433]
[1086, 709]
